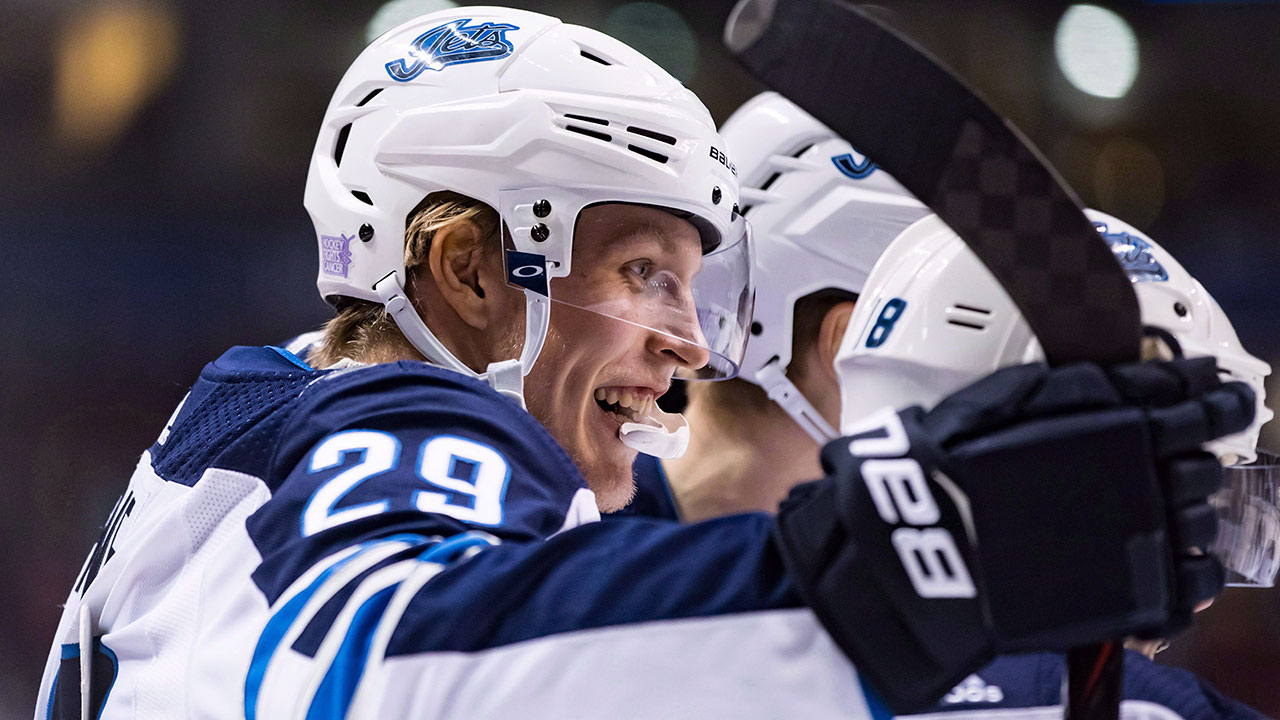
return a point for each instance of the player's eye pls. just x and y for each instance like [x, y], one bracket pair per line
[639, 269]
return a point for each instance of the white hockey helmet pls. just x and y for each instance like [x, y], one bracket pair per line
[933, 319]
[821, 214]
[539, 120]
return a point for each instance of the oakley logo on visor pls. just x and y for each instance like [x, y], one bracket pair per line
[527, 270]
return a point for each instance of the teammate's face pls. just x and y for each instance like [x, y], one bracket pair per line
[596, 370]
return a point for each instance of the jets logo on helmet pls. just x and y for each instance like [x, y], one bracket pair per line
[452, 43]
[850, 166]
[1134, 254]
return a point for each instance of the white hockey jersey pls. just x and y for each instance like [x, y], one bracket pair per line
[401, 541]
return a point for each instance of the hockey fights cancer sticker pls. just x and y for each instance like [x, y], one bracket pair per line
[335, 254]
[452, 43]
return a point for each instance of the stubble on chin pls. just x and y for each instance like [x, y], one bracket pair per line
[614, 491]
[613, 486]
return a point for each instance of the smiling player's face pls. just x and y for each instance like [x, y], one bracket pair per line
[600, 367]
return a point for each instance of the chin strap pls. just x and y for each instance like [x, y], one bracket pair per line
[507, 376]
[537, 318]
[773, 379]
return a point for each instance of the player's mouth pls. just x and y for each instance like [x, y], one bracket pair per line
[626, 404]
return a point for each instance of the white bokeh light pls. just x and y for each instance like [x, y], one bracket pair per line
[1097, 51]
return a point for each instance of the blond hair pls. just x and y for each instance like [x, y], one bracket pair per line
[362, 330]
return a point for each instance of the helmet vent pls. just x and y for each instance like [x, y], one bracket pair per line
[341, 144]
[640, 136]
[362, 196]
[593, 57]
[661, 137]
[968, 316]
[774, 177]
[659, 157]
[587, 118]
[369, 97]
[589, 133]
[962, 323]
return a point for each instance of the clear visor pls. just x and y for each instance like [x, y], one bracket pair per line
[684, 281]
[1248, 508]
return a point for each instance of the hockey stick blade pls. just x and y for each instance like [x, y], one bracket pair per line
[935, 136]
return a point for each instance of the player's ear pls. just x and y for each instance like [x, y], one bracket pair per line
[458, 263]
[830, 334]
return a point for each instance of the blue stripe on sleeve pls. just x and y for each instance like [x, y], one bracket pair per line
[333, 697]
[281, 620]
[274, 633]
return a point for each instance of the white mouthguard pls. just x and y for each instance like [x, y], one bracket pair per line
[662, 434]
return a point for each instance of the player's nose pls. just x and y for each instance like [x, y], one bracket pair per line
[681, 338]
[687, 355]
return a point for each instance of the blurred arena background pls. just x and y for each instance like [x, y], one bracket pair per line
[151, 174]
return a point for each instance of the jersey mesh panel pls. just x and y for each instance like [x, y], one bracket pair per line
[212, 513]
[226, 414]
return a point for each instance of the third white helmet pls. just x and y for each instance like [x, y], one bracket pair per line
[933, 319]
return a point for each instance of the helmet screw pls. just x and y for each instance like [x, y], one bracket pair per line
[1180, 309]
[539, 232]
[366, 232]
[542, 208]
[715, 195]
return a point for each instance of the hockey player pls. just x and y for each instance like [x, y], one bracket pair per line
[952, 323]
[822, 216]
[549, 221]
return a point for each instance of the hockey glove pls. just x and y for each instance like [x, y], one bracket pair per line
[1037, 509]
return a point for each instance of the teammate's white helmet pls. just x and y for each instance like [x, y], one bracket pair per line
[820, 214]
[933, 319]
[537, 119]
